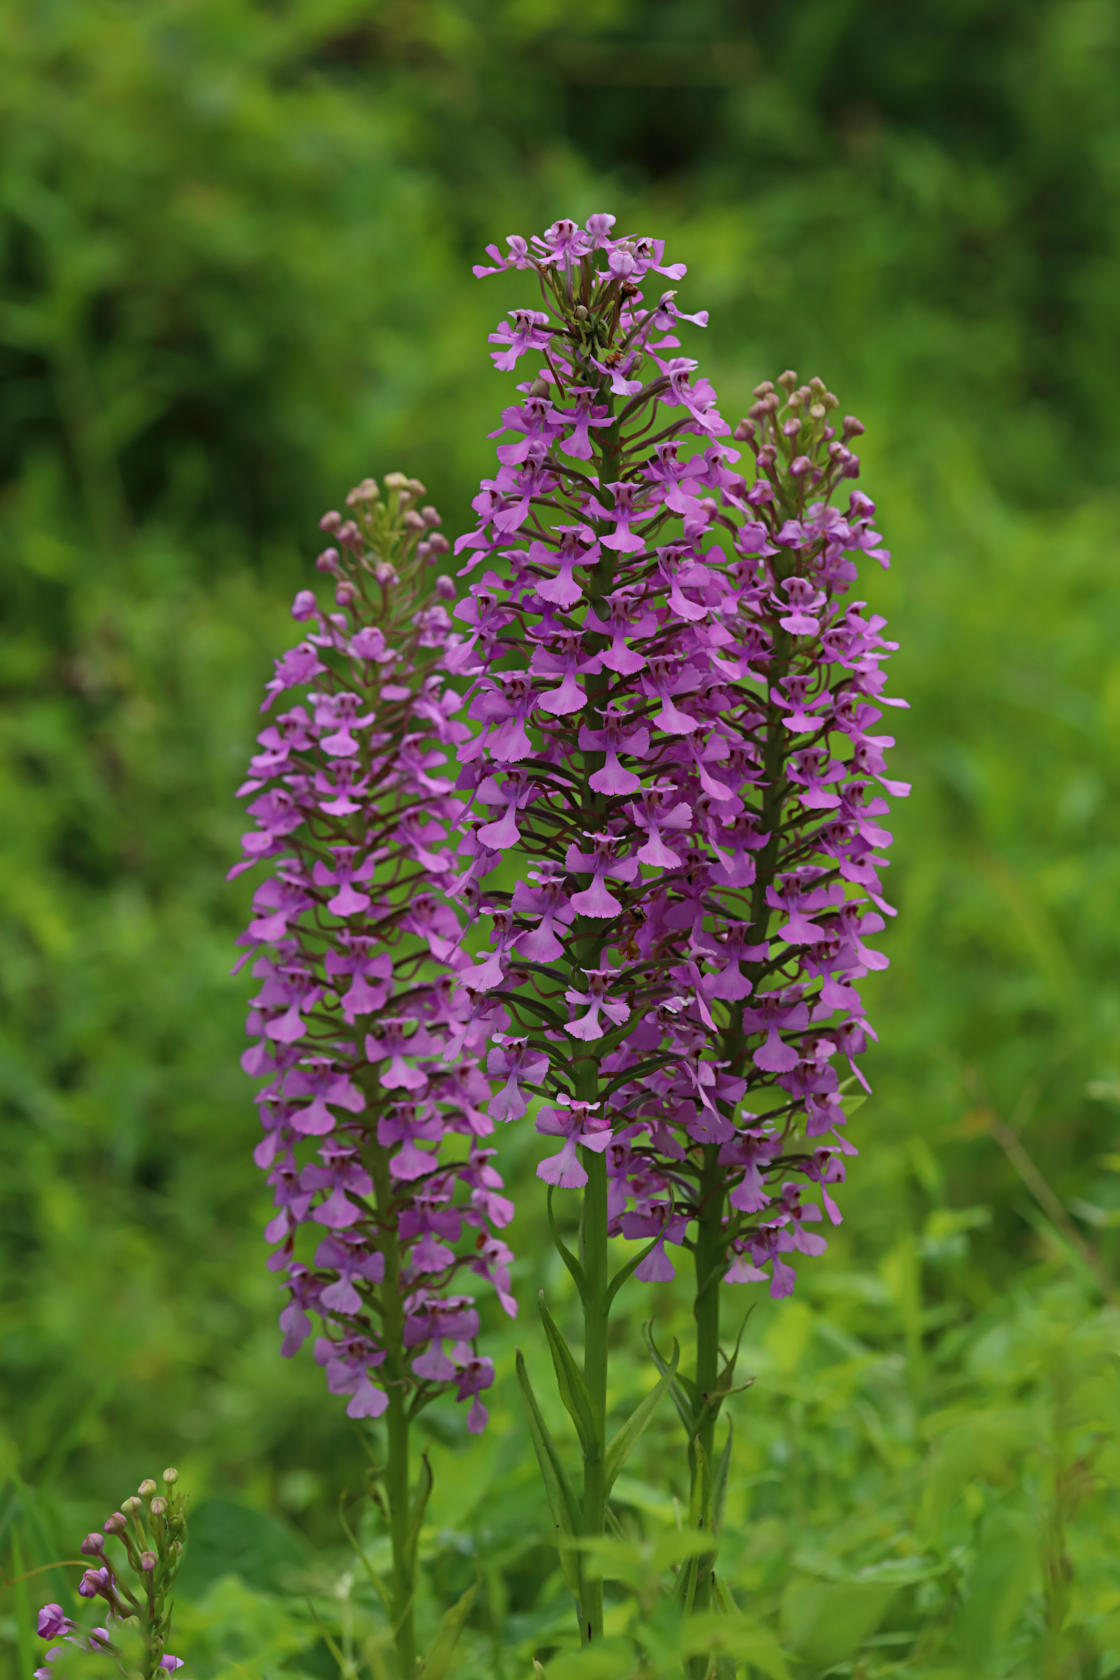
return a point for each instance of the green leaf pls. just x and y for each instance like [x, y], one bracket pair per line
[419, 1505]
[1006, 1568]
[438, 1660]
[826, 1622]
[573, 1389]
[561, 1246]
[719, 1485]
[631, 1431]
[682, 1389]
[629, 1269]
[729, 1364]
[733, 1636]
[556, 1486]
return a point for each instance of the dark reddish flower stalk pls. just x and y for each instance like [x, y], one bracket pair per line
[676, 706]
[374, 1105]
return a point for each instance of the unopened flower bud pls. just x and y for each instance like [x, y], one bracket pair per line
[386, 574]
[767, 455]
[328, 561]
[817, 386]
[367, 491]
[787, 380]
[159, 1505]
[853, 427]
[818, 411]
[799, 466]
[790, 428]
[117, 1523]
[766, 389]
[539, 387]
[131, 1505]
[438, 543]
[395, 481]
[345, 594]
[745, 432]
[93, 1545]
[349, 535]
[430, 515]
[330, 522]
[148, 1561]
[97, 1581]
[446, 589]
[147, 1488]
[171, 1476]
[415, 488]
[413, 521]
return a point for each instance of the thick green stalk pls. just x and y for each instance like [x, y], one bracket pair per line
[593, 1258]
[709, 1256]
[397, 1490]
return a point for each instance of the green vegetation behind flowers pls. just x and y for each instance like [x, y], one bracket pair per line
[236, 244]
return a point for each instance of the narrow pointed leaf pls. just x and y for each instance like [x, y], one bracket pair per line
[438, 1660]
[573, 1389]
[629, 1269]
[701, 1487]
[719, 1487]
[419, 1505]
[562, 1248]
[682, 1389]
[556, 1486]
[728, 1377]
[621, 1446]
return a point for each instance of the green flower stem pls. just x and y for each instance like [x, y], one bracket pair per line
[593, 1258]
[710, 1249]
[396, 1479]
[710, 1260]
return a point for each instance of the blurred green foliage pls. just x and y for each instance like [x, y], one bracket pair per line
[235, 247]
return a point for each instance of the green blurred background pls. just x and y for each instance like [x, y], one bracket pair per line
[235, 248]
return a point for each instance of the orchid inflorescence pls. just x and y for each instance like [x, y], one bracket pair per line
[374, 1110]
[150, 1526]
[675, 705]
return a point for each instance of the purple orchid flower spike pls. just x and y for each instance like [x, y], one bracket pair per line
[675, 705]
[374, 1103]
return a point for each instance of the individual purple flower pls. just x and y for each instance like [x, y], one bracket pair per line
[373, 1106]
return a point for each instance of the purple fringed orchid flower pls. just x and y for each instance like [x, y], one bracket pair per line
[676, 706]
[374, 1105]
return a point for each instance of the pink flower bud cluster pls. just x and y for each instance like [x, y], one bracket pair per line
[153, 1547]
[374, 1104]
[675, 704]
